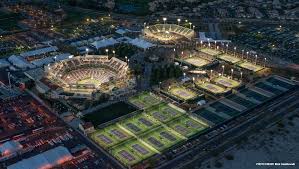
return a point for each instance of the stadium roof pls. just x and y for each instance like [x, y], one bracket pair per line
[203, 38]
[39, 51]
[48, 159]
[104, 43]
[121, 31]
[141, 43]
[19, 62]
[9, 146]
[4, 63]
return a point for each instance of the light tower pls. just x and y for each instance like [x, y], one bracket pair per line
[164, 20]
[179, 20]
[107, 50]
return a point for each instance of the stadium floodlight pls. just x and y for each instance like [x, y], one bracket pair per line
[113, 53]
[190, 23]
[215, 45]
[86, 51]
[247, 55]
[179, 20]
[255, 59]
[164, 20]
[265, 60]
[241, 75]
[226, 48]
[235, 51]
[107, 50]
[223, 69]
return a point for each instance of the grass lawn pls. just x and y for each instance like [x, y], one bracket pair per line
[109, 113]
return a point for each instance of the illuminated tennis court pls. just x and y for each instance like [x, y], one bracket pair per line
[145, 99]
[212, 88]
[182, 93]
[226, 82]
[139, 123]
[165, 112]
[132, 152]
[110, 136]
[197, 61]
[161, 138]
[210, 51]
[229, 58]
[187, 126]
[250, 66]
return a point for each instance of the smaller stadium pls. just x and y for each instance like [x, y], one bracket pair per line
[168, 33]
[88, 73]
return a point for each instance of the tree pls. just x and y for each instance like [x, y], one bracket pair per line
[110, 4]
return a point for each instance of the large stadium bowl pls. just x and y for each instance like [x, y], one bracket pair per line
[168, 33]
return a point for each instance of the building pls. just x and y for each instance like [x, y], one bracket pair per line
[48, 159]
[86, 128]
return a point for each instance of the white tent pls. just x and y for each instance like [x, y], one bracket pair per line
[104, 43]
[39, 51]
[141, 43]
[10, 147]
[49, 158]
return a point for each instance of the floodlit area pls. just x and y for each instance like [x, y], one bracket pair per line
[229, 58]
[251, 66]
[210, 51]
[226, 82]
[144, 100]
[210, 87]
[153, 131]
[182, 93]
[197, 61]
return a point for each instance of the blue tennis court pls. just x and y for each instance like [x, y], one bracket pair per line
[204, 113]
[224, 109]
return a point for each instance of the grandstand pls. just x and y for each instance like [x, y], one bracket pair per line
[168, 33]
[86, 72]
